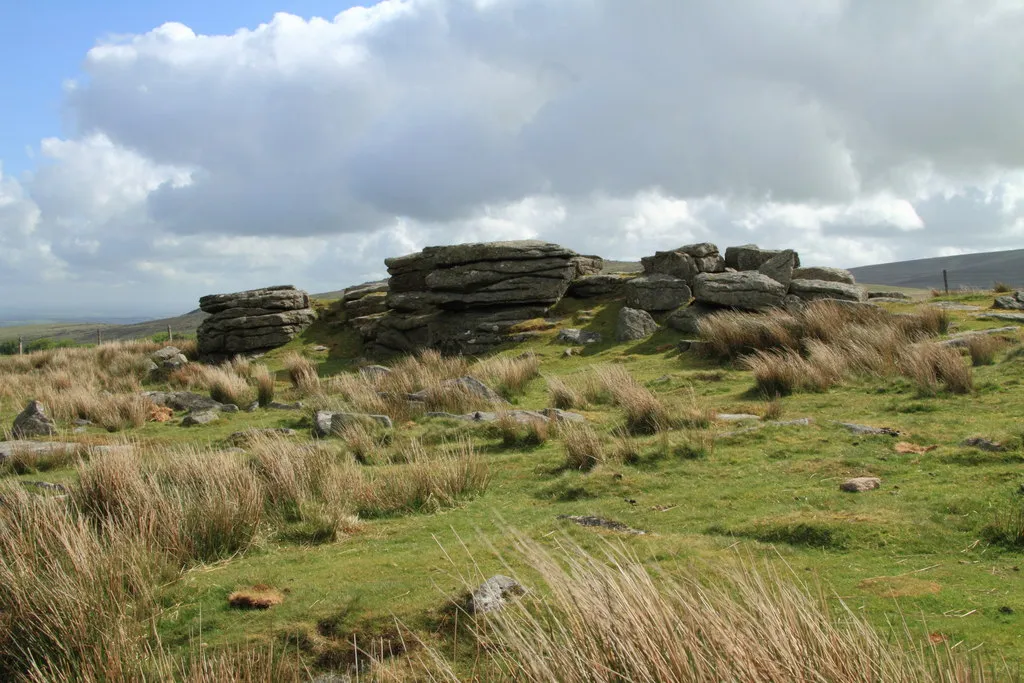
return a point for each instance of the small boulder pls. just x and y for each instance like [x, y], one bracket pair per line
[468, 384]
[492, 594]
[700, 250]
[809, 290]
[657, 292]
[672, 263]
[825, 274]
[751, 291]
[326, 423]
[574, 336]
[374, 372]
[983, 444]
[686, 319]
[779, 267]
[634, 324]
[1010, 302]
[199, 417]
[860, 484]
[886, 294]
[166, 353]
[33, 421]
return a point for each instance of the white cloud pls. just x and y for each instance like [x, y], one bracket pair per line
[308, 150]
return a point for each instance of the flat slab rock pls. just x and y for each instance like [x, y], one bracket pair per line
[983, 444]
[860, 484]
[574, 336]
[1004, 317]
[601, 522]
[799, 422]
[866, 430]
[521, 416]
[45, 448]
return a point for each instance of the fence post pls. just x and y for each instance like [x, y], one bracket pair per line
[170, 335]
[945, 281]
[99, 340]
[21, 345]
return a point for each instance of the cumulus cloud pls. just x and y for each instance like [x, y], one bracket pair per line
[306, 150]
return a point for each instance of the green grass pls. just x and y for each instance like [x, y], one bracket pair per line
[773, 493]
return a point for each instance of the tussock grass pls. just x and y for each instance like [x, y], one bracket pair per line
[521, 433]
[509, 376]
[228, 386]
[302, 373]
[1001, 288]
[561, 395]
[582, 446]
[610, 618]
[265, 387]
[984, 348]
[932, 367]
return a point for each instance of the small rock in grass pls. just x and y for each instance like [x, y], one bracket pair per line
[865, 430]
[33, 421]
[859, 484]
[274, 405]
[983, 444]
[201, 417]
[252, 407]
[493, 593]
[575, 336]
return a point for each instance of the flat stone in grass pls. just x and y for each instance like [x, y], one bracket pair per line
[601, 522]
[983, 444]
[865, 430]
[199, 417]
[575, 336]
[860, 484]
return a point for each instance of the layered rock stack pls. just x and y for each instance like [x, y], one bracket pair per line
[468, 298]
[254, 320]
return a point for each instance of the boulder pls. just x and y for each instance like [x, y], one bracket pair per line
[750, 291]
[751, 256]
[33, 421]
[657, 292]
[673, 263]
[587, 265]
[374, 372]
[199, 417]
[1010, 302]
[809, 290]
[182, 400]
[824, 274]
[686, 319]
[701, 250]
[574, 336]
[885, 294]
[860, 484]
[493, 594]
[166, 353]
[779, 267]
[634, 324]
[326, 423]
[253, 320]
[710, 264]
[597, 286]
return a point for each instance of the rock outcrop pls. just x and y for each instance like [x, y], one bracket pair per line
[1010, 302]
[824, 274]
[469, 298]
[749, 290]
[254, 320]
[809, 290]
[597, 286]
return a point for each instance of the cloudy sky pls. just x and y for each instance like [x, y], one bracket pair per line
[150, 155]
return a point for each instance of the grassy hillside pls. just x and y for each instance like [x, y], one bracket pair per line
[978, 271]
[369, 537]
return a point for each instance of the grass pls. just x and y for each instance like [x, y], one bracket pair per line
[130, 575]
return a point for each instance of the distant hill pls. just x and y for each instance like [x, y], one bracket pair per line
[966, 270]
[84, 333]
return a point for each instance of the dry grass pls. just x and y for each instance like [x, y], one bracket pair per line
[227, 386]
[521, 433]
[582, 446]
[264, 380]
[562, 395]
[259, 596]
[302, 373]
[932, 367]
[984, 348]
[508, 376]
[1001, 288]
[611, 618]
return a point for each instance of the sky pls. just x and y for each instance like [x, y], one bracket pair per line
[154, 152]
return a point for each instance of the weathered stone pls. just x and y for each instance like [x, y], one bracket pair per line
[33, 421]
[182, 400]
[574, 336]
[885, 294]
[634, 324]
[657, 292]
[824, 274]
[860, 484]
[779, 267]
[493, 594]
[745, 290]
[166, 353]
[674, 263]
[701, 250]
[373, 372]
[809, 290]
[199, 417]
[1011, 302]
[586, 265]
[595, 286]
[371, 304]
[710, 264]
[866, 430]
[686, 319]
[359, 291]
[984, 444]
[253, 320]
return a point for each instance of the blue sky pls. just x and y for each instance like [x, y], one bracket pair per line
[43, 42]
